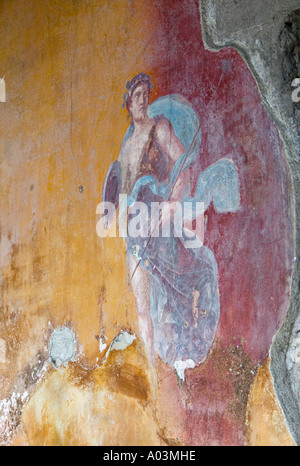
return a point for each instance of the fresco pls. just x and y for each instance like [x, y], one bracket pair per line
[146, 339]
[174, 280]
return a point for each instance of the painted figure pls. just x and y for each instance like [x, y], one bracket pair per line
[175, 285]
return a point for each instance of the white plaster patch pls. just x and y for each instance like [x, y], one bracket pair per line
[181, 366]
[121, 342]
[8, 410]
[102, 344]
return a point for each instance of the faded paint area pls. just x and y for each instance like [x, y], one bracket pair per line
[266, 425]
[94, 407]
[10, 414]
[2, 351]
[66, 65]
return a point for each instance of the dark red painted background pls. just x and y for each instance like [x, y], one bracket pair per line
[253, 247]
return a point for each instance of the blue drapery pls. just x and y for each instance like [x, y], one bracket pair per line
[185, 303]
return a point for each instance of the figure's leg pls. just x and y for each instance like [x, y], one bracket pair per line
[140, 281]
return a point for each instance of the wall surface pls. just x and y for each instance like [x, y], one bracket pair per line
[268, 38]
[75, 365]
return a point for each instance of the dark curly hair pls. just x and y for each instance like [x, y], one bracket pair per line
[140, 78]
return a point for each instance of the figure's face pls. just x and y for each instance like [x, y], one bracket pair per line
[139, 102]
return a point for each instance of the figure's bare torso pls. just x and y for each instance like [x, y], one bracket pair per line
[132, 152]
[142, 155]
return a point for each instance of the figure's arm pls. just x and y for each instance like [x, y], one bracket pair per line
[173, 148]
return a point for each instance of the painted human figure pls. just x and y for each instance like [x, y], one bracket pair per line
[175, 288]
[152, 149]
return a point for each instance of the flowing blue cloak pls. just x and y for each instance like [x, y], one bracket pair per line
[185, 303]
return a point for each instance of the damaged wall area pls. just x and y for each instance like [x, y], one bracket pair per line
[78, 364]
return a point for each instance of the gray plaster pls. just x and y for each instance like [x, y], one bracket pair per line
[265, 33]
[120, 343]
[62, 346]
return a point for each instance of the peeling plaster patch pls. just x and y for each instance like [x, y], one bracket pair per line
[10, 410]
[62, 346]
[121, 342]
[35, 371]
[102, 344]
[181, 366]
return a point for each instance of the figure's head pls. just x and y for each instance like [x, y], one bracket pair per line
[137, 97]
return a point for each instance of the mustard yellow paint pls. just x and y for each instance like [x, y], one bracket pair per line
[266, 425]
[110, 405]
[63, 124]
[66, 66]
